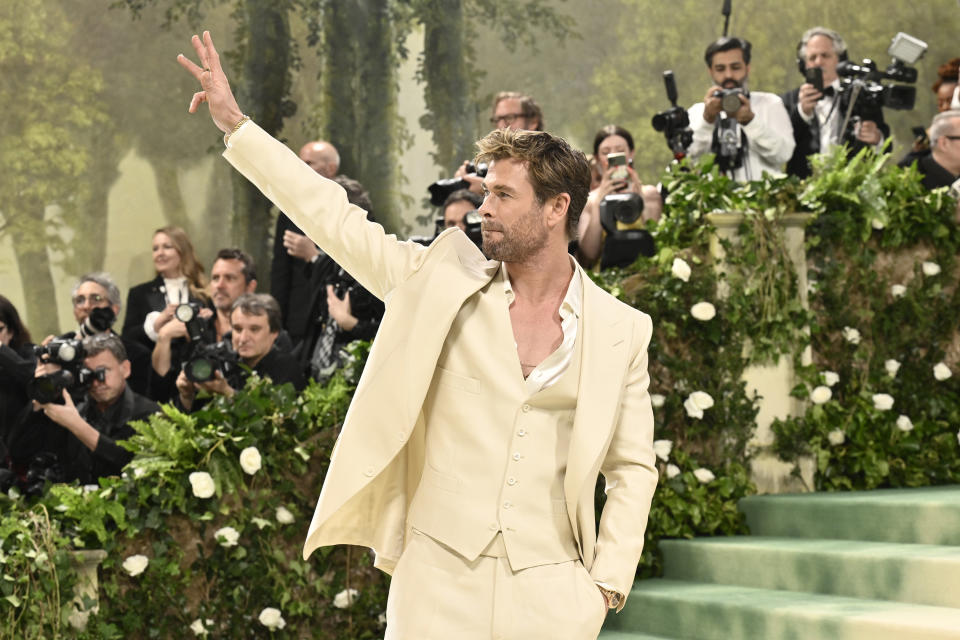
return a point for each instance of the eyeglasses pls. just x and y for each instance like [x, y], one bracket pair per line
[507, 118]
[94, 298]
[952, 137]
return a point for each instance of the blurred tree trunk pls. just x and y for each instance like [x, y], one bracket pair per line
[262, 90]
[450, 113]
[360, 97]
[166, 172]
[34, 265]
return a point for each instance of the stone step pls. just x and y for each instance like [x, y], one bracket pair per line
[684, 610]
[914, 573]
[929, 515]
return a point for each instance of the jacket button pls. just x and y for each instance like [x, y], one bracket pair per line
[526, 408]
[511, 481]
[522, 432]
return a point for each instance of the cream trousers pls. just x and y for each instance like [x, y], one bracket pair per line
[436, 594]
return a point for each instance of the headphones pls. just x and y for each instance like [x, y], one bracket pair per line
[838, 43]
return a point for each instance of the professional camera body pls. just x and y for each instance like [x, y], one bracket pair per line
[674, 122]
[73, 376]
[865, 93]
[621, 218]
[205, 356]
[97, 321]
[440, 189]
[730, 99]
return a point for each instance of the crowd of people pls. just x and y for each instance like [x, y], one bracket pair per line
[187, 336]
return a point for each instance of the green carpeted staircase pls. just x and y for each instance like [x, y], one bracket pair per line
[871, 565]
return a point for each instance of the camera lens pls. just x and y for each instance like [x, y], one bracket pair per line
[200, 370]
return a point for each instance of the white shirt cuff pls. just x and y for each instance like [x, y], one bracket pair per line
[148, 323]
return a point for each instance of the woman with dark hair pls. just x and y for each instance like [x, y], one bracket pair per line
[179, 279]
[615, 143]
[16, 368]
[947, 92]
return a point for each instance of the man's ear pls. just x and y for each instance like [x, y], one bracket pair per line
[556, 210]
[252, 286]
[125, 369]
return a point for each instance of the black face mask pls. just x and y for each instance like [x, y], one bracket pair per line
[99, 320]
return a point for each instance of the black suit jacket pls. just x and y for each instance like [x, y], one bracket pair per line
[290, 283]
[807, 136]
[141, 300]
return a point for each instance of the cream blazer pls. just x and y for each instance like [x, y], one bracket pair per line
[377, 460]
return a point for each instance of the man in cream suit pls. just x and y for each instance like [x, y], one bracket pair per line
[496, 391]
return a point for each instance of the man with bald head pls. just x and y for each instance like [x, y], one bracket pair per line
[293, 251]
[322, 157]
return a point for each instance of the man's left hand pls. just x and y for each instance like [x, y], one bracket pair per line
[217, 385]
[299, 246]
[744, 114]
[340, 309]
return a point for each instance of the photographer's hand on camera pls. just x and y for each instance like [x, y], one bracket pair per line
[188, 389]
[869, 132]
[808, 98]
[340, 309]
[712, 104]
[472, 179]
[744, 114]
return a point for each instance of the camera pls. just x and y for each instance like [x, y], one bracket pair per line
[863, 86]
[49, 388]
[66, 352]
[620, 217]
[674, 122]
[440, 189]
[730, 99]
[206, 359]
[205, 356]
[97, 321]
[618, 160]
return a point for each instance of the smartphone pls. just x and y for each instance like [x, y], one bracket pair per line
[618, 160]
[814, 76]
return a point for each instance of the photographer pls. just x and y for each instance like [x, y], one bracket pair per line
[79, 442]
[95, 300]
[817, 115]
[340, 308]
[941, 167]
[748, 131]
[616, 143]
[255, 325]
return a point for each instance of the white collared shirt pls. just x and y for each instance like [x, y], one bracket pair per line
[549, 371]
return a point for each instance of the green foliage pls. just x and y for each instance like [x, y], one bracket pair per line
[686, 506]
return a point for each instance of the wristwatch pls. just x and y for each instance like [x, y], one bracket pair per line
[612, 597]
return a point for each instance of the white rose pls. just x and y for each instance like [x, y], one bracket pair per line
[877, 224]
[345, 598]
[958, 436]
[904, 423]
[284, 516]
[681, 269]
[892, 366]
[941, 371]
[831, 378]
[931, 269]
[704, 475]
[662, 449]
[250, 460]
[135, 565]
[227, 536]
[851, 335]
[672, 471]
[696, 403]
[703, 311]
[199, 628]
[271, 619]
[898, 290]
[821, 395]
[202, 484]
[882, 401]
[657, 400]
[836, 437]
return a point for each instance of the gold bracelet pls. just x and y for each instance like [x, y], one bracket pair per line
[236, 127]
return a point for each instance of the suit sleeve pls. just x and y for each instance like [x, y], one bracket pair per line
[319, 207]
[629, 470]
[137, 309]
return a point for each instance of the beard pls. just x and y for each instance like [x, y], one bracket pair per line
[517, 242]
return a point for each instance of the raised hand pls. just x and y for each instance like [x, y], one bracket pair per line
[216, 91]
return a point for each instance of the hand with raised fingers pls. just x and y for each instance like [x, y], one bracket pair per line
[216, 91]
